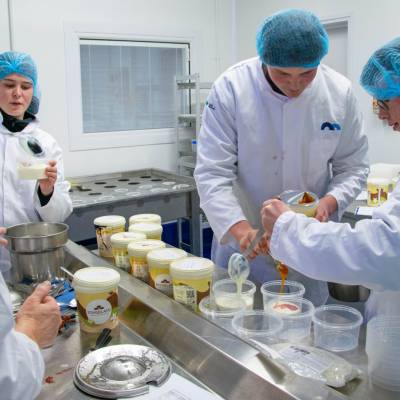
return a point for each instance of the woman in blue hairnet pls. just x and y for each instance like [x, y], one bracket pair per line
[276, 122]
[21, 140]
[369, 253]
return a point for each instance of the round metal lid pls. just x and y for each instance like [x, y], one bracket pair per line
[121, 371]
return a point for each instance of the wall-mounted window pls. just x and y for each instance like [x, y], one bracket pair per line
[121, 91]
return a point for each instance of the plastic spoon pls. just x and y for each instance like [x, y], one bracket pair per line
[238, 265]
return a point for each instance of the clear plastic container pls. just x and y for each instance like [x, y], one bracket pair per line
[336, 327]
[222, 318]
[303, 202]
[271, 291]
[258, 324]
[105, 227]
[383, 350]
[226, 298]
[296, 316]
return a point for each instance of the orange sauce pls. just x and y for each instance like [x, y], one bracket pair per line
[306, 199]
[283, 270]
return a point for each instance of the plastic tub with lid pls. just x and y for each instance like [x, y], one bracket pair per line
[159, 267]
[105, 227]
[191, 280]
[96, 291]
[151, 230]
[119, 245]
[137, 252]
[139, 218]
[336, 327]
[378, 191]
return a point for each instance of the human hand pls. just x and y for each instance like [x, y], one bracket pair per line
[244, 233]
[47, 185]
[39, 317]
[3, 242]
[260, 248]
[270, 212]
[326, 207]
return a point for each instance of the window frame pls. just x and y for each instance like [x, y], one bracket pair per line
[78, 140]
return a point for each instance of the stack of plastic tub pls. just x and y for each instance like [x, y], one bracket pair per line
[383, 349]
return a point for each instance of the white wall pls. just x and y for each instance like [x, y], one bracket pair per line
[372, 24]
[38, 30]
[4, 27]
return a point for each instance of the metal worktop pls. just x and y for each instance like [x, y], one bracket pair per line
[171, 196]
[199, 348]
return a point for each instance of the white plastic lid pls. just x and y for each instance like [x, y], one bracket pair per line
[99, 277]
[110, 220]
[138, 218]
[166, 256]
[148, 228]
[191, 267]
[141, 248]
[124, 238]
[378, 181]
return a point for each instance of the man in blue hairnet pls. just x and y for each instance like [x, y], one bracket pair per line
[369, 253]
[276, 122]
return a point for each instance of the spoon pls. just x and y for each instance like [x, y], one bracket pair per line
[238, 265]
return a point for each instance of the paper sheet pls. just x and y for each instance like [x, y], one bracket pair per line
[177, 388]
[367, 211]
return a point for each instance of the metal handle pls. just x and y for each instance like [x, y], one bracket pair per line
[253, 243]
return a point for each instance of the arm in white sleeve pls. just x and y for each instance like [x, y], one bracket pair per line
[21, 362]
[350, 162]
[367, 254]
[217, 155]
[59, 206]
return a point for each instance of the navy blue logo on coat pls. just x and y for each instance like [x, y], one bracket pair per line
[332, 126]
[210, 105]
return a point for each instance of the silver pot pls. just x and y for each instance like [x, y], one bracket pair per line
[37, 251]
[353, 293]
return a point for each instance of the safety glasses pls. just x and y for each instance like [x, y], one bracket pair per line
[383, 105]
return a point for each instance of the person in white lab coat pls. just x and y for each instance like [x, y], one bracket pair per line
[36, 325]
[26, 200]
[276, 122]
[369, 253]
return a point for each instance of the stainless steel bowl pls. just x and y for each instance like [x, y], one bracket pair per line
[353, 293]
[37, 251]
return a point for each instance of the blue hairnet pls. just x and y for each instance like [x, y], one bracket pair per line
[22, 64]
[292, 38]
[380, 77]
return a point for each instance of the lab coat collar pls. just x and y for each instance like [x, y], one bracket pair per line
[29, 129]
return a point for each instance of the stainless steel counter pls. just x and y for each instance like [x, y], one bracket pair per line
[199, 348]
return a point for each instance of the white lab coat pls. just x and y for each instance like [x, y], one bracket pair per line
[368, 254]
[255, 143]
[21, 362]
[19, 200]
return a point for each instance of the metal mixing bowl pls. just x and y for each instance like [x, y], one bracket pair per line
[37, 250]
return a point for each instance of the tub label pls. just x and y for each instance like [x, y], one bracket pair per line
[121, 258]
[163, 283]
[186, 295]
[140, 269]
[99, 311]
